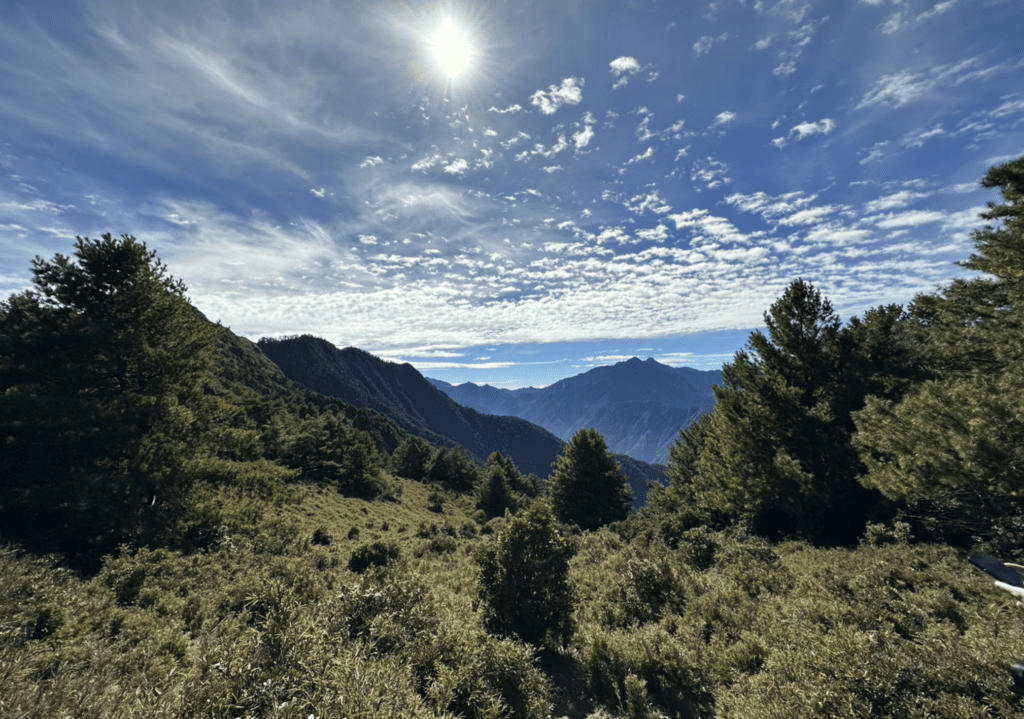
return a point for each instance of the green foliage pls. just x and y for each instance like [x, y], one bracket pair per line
[672, 511]
[493, 496]
[375, 554]
[453, 469]
[954, 442]
[587, 486]
[411, 458]
[526, 487]
[327, 451]
[107, 425]
[524, 586]
[777, 449]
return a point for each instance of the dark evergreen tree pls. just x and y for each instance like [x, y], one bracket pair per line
[105, 417]
[453, 469]
[494, 496]
[962, 431]
[524, 579]
[411, 458]
[777, 448]
[361, 465]
[671, 511]
[587, 486]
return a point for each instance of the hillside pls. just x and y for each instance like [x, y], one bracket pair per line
[639, 406]
[416, 405]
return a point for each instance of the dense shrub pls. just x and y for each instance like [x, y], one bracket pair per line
[524, 584]
[375, 554]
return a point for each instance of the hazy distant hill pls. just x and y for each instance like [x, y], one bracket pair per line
[403, 394]
[639, 406]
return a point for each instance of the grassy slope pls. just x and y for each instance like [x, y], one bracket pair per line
[725, 625]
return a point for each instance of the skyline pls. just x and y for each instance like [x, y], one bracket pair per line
[511, 193]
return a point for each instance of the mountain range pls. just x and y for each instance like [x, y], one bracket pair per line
[408, 398]
[639, 406]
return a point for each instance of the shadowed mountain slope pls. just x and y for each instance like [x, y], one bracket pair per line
[402, 393]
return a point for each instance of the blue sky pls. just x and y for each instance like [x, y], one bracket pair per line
[598, 180]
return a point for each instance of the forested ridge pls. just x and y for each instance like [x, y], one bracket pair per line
[186, 532]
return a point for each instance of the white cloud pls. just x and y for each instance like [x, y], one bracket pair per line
[796, 42]
[319, 193]
[709, 226]
[552, 168]
[427, 162]
[507, 110]
[937, 9]
[892, 23]
[582, 138]
[808, 216]
[657, 234]
[624, 66]
[645, 155]
[806, 129]
[456, 167]
[371, 161]
[652, 76]
[368, 239]
[710, 172]
[651, 201]
[724, 118]
[917, 138]
[901, 88]
[876, 152]
[515, 140]
[896, 90]
[889, 202]
[558, 147]
[568, 93]
[912, 218]
[703, 45]
[1012, 107]
[488, 132]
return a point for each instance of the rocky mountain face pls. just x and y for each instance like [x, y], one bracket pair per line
[639, 406]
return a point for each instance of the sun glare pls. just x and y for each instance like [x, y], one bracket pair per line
[452, 49]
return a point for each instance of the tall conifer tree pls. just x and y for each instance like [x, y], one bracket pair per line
[963, 429]
[587, 486]
[104, 420]
[777, 449]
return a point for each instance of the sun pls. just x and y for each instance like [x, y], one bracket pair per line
[452, 49]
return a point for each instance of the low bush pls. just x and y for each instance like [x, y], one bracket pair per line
[376, 554]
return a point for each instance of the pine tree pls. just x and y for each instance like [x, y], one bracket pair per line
[411, 458]
[104, 415]
[777, 447]
[587, 486]
[963, 428]
[453, 469]
[361, 465]
[493, 496]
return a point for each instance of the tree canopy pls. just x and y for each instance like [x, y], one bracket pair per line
[587, 486]
[104, 416]
[963, 428]
[777, 448]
